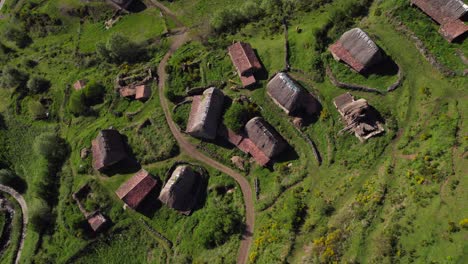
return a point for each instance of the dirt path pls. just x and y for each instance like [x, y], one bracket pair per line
[191, 150]
[166, 11]
[24, 208]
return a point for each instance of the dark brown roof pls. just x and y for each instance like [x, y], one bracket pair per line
[265, 137]
[108, 149]
[356, 49]
[246, 62]
[205, 114]
[182, 190]
[135, 190]
[143, 92]
[342, 100]
[447, 13]
[96, 221]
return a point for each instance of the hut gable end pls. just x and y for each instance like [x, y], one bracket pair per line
[135, 190]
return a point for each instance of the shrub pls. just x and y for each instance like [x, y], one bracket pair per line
[93, 93]
[40, 215]
[51, 147]
[238, 115]
[13, 78]
[9, 178]
[37, 110]
[38, 85]
[464, 223]
[77, 104]
[17, 35]
[120, 49]
[216, 227]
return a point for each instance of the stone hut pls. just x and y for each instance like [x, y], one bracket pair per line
[79, 85]
[357, 50]
[265, 137]
[290, 96]
[142, 92]
[358, 116]
[246, 62]
[205, 114]
[108, 149]
[449, 14]
[182, 190]
[136, 189]
[96, 221]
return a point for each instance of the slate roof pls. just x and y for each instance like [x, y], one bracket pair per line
[265, 137]
[182, 190]
[356, 49]
[96, 221]
[448, 14]
[285, 92]
[135, 190]
[142, 92]
[205, 114]
[78, 85]
[246, 62]
[108, 149]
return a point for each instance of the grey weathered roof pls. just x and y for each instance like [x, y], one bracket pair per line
[205, 114]
[265, 137]
[453, 8]
[182, 190]
[285, 92]
[360, 46]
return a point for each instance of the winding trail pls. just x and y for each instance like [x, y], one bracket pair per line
[24, 208]
[178, 40]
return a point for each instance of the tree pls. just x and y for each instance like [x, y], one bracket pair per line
[38, 85]
[119, 48]
[40, 215]
[13, 78]
[17, 35]
[9, 178]
[51, 147]
[37, 110]
[77, 104]
[93, 92]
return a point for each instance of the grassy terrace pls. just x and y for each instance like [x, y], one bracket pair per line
[396, 198]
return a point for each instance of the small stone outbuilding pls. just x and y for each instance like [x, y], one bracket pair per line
[136, 189]
[108, 149]
[246, 62]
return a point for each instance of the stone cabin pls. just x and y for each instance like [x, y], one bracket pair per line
[265, 137]
[108, 149]
[136, 189]
[245, 61]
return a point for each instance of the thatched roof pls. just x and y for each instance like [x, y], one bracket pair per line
[182, 190]
[265, 137]
[142, 92]
[285, 92]
[291, 96]
[358, 116]
[448, 14]
[356, 49]
[135, 190]
[108, 149]
[205, 114]
[246, 62]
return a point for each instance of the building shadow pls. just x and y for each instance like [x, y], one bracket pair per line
[387, 67]
[151, 204]
[137, 6]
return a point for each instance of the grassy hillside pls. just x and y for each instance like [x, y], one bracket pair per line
[396, 198]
